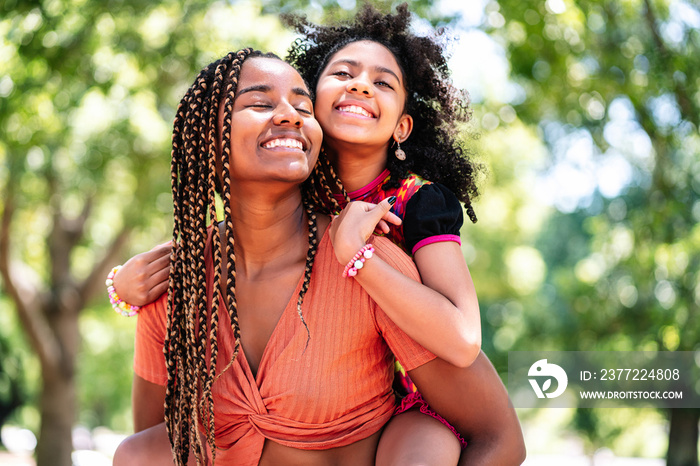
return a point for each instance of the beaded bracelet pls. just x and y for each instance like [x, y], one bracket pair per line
[119, 306]
[358, 260]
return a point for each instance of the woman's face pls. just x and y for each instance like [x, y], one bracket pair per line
[360, 97]
[274, 135]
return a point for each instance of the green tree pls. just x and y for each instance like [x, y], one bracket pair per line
[611, 86]
[88, 92]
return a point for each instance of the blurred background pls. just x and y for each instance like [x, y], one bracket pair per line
[585, 114]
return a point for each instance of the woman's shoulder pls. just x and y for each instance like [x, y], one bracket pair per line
[323, 221]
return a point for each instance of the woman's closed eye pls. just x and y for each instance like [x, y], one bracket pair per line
[258, 105]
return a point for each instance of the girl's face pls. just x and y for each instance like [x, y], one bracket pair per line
[274, 135]
[360, 98]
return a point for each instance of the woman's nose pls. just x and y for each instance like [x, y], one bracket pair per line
[286, 114]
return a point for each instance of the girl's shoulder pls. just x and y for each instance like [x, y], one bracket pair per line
[432, 214]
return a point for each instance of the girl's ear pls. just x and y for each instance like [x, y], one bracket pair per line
[403, 128]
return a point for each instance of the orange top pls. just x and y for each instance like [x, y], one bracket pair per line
[336, 392]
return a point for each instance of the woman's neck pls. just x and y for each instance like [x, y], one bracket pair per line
[356, 168]
[269, 231]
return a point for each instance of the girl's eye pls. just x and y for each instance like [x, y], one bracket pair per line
[341, 73]
[384, 84]
[305, 111]
[259, 106]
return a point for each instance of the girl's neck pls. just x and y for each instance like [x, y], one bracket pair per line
[355, 168]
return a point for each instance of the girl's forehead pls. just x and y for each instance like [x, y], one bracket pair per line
[367, 50]
[368, 53]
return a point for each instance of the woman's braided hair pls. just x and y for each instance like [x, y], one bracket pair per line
[436, 105]
[197, 163]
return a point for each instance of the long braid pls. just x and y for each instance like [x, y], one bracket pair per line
[172, 344]
[310, 256]
[190, 297]
[207, 398]
[189, 380]
[232, 306]
[320, 192]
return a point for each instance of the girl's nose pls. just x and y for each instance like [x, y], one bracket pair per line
[360, 85]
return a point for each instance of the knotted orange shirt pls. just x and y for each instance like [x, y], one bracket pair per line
[335, 392]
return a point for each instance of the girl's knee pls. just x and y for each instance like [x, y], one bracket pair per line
[150, 447]
[416, 439]
[125, 454]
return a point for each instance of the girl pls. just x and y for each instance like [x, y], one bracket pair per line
[377, 84]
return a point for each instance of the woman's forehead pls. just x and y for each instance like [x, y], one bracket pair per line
[268, 72]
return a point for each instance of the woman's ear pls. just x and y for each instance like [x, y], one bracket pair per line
[403, 128]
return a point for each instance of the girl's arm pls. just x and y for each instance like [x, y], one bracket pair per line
[442, 314]
[476, 403]
[144, 277]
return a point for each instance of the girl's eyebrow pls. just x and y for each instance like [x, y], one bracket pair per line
[380, 69]
[265, 88]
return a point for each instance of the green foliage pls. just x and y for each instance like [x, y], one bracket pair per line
[106, 369]
[88, 91]
[611, 89]
[624, 267]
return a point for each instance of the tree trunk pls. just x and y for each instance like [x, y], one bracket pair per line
[57, 407]
[683, 437]
[58, 398]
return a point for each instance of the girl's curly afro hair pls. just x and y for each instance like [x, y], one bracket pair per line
[435, 104]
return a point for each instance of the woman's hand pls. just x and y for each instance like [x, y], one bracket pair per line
[355, 224]
[144, 277]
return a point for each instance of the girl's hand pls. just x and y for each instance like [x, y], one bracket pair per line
[144, 277]
[355, 224]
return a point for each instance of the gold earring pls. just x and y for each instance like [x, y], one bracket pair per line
[399, 153]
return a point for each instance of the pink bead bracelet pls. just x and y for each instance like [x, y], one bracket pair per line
[119, 306]
[358, 260]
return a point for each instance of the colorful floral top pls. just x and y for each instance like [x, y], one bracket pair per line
[430, 212]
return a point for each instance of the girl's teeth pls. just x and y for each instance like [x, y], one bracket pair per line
[356, 109]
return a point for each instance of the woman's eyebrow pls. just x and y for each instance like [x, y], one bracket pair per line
[255, 88]
[265, 88]
[302, 92]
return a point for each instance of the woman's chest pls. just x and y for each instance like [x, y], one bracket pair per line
[339, 364]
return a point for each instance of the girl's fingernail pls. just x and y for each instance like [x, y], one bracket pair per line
[392, 199]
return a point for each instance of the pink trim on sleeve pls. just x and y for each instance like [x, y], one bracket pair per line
[436, 239]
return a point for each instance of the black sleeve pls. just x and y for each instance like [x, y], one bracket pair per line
[432, 211]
